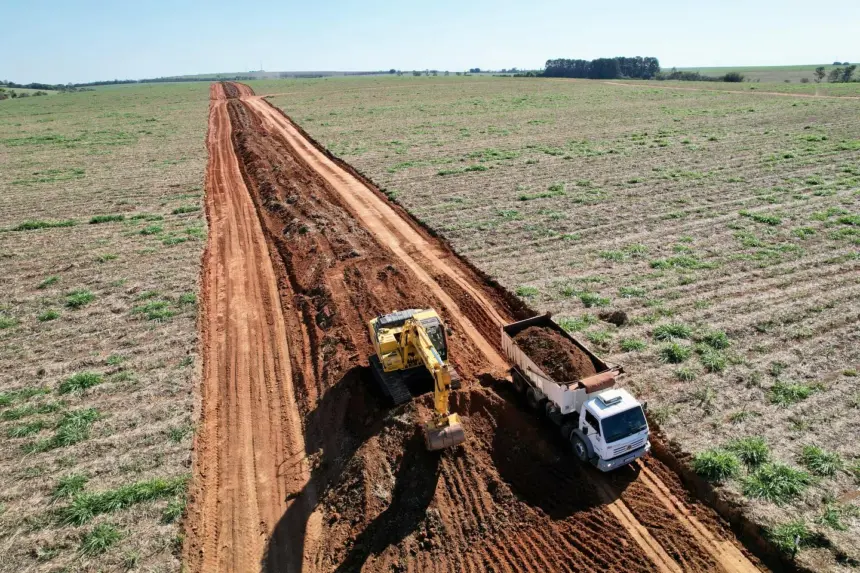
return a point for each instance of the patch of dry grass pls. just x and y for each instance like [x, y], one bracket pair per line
[92, 389]
[742, 209]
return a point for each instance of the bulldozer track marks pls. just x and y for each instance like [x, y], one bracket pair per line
[297, 466]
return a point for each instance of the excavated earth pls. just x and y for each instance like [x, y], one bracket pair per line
[555, 354]
[299, 466]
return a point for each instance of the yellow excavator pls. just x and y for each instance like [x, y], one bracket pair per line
[404, 341]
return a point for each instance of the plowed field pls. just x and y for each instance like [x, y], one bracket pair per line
[299, 466]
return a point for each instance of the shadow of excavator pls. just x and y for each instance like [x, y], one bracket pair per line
[348, 415]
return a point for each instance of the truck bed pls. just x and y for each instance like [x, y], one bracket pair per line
[604, 376]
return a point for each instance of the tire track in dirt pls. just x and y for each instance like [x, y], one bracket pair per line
[365, 494]
[248, 450]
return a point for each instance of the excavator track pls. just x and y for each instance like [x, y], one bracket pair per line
[401, 386]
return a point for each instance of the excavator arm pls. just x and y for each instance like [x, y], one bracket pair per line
[416, 336]
[444, 429]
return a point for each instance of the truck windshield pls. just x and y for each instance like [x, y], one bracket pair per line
[624, 424]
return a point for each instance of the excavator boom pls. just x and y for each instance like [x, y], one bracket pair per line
[444, 430]
[408, 339]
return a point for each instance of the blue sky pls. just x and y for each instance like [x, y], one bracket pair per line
[86, 40]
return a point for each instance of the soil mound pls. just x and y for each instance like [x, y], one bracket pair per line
[555, 354]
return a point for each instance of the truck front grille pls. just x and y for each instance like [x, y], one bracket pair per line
[628, 447]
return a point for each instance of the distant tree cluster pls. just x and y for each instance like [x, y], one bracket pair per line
[840, 75]
[12, 94]
[675, 74]
[603, 68]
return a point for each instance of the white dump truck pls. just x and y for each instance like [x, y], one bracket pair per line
[606, 426]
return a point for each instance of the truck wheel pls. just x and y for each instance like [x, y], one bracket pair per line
[579, 448]
[553, 413]
[535, 401]
[567, 430]
[519, 384]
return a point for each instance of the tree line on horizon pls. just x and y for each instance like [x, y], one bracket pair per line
[603, 68]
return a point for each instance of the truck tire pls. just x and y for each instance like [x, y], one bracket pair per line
[567, 430]
[553, 413]
[536, 400]
[580, 450]
[519, 383]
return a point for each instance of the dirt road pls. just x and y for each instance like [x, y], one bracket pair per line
[299, 467]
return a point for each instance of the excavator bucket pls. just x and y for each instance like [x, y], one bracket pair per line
[448, 434]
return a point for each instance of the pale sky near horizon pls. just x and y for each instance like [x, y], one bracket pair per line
[56, 41]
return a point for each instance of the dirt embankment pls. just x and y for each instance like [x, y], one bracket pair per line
[561, 359]
[364, 494]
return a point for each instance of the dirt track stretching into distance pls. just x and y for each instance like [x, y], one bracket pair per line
[299, 467]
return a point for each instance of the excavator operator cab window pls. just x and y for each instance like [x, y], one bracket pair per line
[437, 336]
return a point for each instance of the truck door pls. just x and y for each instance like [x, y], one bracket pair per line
[593, 428]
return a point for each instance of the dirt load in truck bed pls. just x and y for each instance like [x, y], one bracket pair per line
[560, 358]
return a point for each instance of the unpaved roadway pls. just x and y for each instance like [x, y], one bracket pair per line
[297, 464]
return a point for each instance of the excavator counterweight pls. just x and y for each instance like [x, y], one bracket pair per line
[404, 342]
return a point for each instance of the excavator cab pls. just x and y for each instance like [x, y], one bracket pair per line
[409, 345]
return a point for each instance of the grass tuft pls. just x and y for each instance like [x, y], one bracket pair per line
[72, 428]
[151, 230]
[671, 331]
[685, 374]
[48, 282]
[79, 298]
[772, 220]
[186, 209]
[48, 315]
[833, 515]
[79, 382]
[29, 410]
[577, 324]
[155, 310]
[69, 485]
[776, 482]
[97, 219]
[674, 352]
[527, 291]
[35, 225]
[174, 510]
[716, 464]
[712, 360]
[632, 344]
[188, 298]
[819, 461]
[86, 506]
[25, 430]
[716, 339]
[785, 393]
[590, 299]
[753, 450]
[100, 539]
[631, 292]
[792, 536]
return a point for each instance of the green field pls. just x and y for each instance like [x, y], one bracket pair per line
[721, 219]
[765, 73]
[101, 231]
[722, 223]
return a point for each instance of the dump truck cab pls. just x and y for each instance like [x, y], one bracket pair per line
[612, 429]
